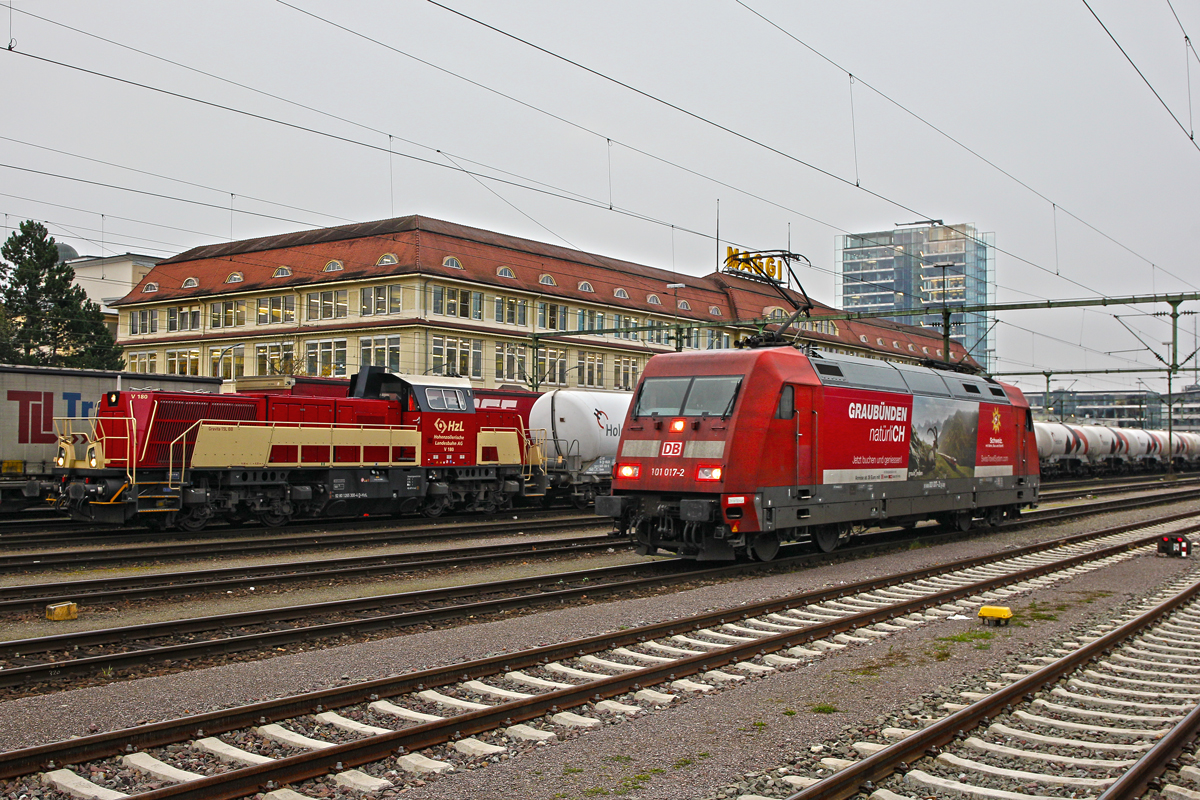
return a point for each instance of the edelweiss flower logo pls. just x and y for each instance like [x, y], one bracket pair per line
[995, 420]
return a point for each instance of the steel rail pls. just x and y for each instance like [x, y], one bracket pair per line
[1138, 778]
[98, 590]
[33, 759]
[140, 635]
[59, 558]
[862, 775]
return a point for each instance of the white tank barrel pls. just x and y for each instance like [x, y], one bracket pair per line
[582, 423]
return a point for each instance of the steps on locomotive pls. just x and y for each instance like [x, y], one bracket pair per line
[156, 492]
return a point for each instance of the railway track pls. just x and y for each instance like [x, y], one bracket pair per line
[253, 546]
[1107, 716]
[29, 662]
[471, 710]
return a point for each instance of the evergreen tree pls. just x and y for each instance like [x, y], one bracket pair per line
[53, 321]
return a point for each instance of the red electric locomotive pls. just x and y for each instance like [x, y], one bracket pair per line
[390, 444]
[730, 453]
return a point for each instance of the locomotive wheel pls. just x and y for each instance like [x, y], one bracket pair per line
[272, 520]
[192, 522]
[995, 516]
[825, 537]
[583, 499]
[764, 547]
[436, 507]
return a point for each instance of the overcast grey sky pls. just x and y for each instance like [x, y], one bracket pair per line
[1038, 89]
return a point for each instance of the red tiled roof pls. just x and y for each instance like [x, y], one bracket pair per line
[420, 244]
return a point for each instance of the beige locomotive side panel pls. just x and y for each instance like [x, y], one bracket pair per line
[506, 442]
[232, 445]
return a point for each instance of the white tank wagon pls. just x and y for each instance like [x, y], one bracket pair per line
[1065, 449]
[1062, 449]
[583, 429]
[34, 397]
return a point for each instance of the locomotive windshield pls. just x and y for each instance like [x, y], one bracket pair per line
[445, 400]
[688, 397]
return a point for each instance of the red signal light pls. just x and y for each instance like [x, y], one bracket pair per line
[628, 471]
[677, 425]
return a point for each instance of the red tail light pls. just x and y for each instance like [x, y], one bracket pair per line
[628, 471]
[677, 425]
[709, 473]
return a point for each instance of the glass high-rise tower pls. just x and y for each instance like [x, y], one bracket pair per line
[922, 267]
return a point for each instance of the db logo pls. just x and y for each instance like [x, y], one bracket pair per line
[672, 448]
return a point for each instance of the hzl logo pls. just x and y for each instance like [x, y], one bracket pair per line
[443, 426]
[602, 421]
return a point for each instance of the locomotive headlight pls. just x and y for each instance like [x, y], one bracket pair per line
[61, 459]
[629, 471]
[709, 474]
[677, 425]
[91, 457]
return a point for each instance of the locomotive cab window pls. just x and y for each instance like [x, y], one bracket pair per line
[787, 403]
[445, 400]
[706, 395]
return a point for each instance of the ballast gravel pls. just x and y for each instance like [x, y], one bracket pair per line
[721, 744]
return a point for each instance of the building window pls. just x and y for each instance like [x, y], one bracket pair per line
[552, 365]
[143, 322]
[275, 358]
[591, 370]
[589, 320]
[684, 305]
[191, 283]
[584, 286]
[282, 272]
[621, 293]
[547, 280]
[511, 311]
[380, 351]
[625, 372]
[326, 358]
[185, 361]
[653, 300]
[327, 305]
[714, 310]
[272, 310]
[454, 356]
[510, 361]
[149, 287]
[227, 363]
[234, 277]
[184, 318]
[505, 272]
[333, 266]
[228, 314]
[718, 340]
[387, 259]
[452, 262]
[457, 302]
[141, 362]
[863, 339]
[625, 323]
[552, 316]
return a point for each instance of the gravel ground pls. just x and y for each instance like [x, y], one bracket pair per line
[691, 750]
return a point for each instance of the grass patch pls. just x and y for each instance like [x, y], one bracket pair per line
[622, 759]
[823, 708]
[681, 763]
[872, 668]
[967, 636]
[571, 770]
[788, 712]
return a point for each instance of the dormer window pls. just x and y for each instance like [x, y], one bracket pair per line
[547, 280]
[584, 286]
[191, 283]
[621, 293]
[234, 277]
[282, 272]
[333, 266]
[925, 350]
[862, 339]
[684, 305]
[653, 300]
[895, 344]
[505, 272]
[879, 341]
[452, 262]
[387, 259]
[149, 287]
[714, 310]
